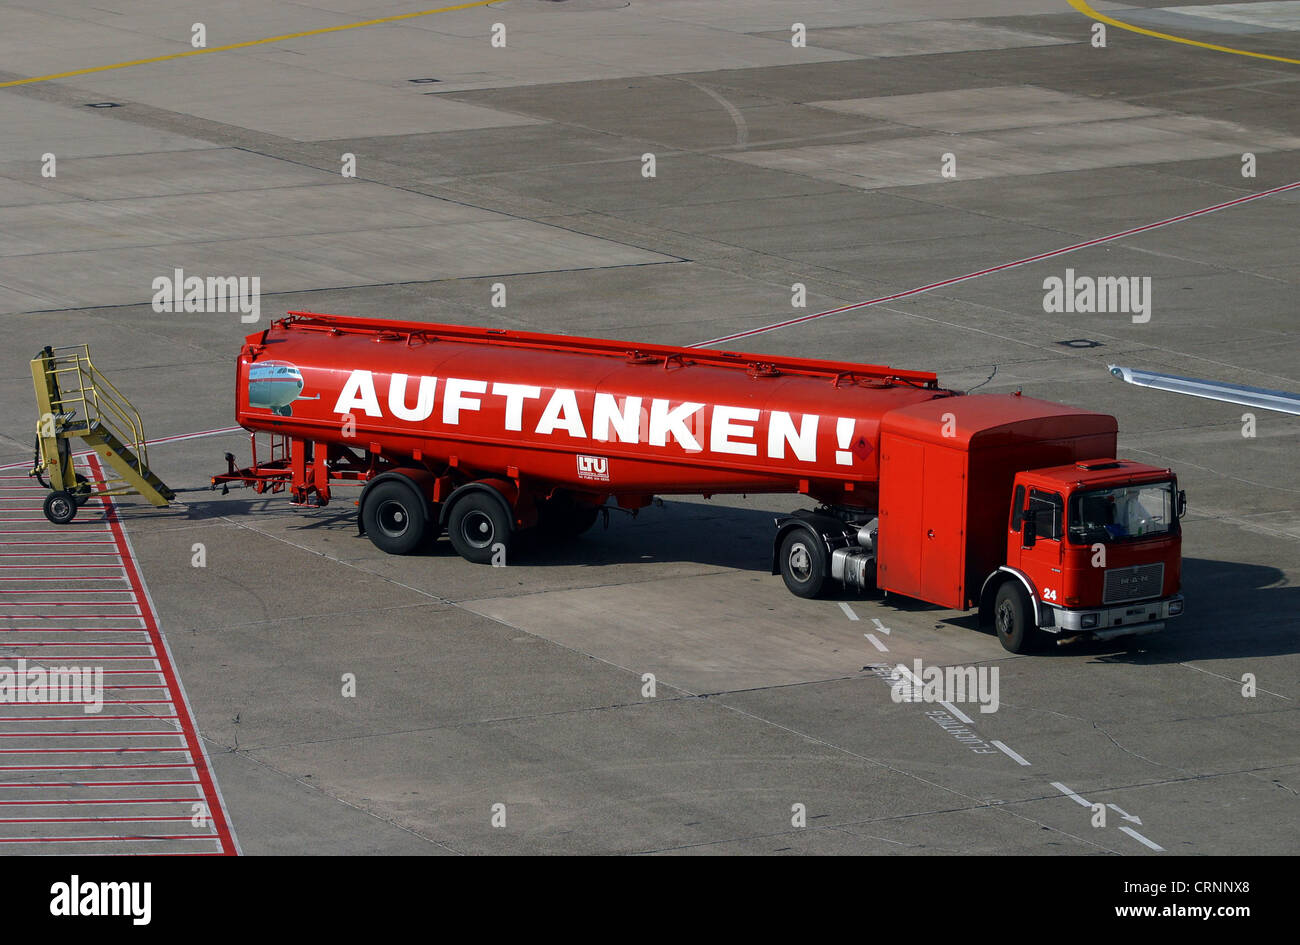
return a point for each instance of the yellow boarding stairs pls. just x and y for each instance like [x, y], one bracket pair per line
[73, 400]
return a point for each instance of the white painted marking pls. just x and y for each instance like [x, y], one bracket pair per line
[848, 611]
[1008, 752]
[953, 710]
[880, 626]
[876, 643]
[1142, 840]
[1070, 794]
[1125, 814]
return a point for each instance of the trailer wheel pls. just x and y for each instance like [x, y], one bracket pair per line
[804, 563]
[394, 518]
[1012, 620]
[478, 527]
[60, 507]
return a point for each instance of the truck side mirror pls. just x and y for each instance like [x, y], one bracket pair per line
[1029, 531]
[1182, 502]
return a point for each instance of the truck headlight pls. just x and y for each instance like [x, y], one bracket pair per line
[1089, 621]
[1175, 608]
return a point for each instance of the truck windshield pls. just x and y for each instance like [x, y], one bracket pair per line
[1122, 513]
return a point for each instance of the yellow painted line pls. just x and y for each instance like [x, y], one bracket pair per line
[245, 45]
[1086, 10]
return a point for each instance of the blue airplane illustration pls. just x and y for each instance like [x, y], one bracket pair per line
[275, 385]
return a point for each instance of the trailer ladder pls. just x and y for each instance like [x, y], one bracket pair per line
[74, 400]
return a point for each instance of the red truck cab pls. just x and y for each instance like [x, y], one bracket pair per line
[1098, 548]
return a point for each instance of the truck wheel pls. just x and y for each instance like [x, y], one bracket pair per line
[804, 563]
[394, 518]
[478, 528]
[60, 507]
[1012, 619]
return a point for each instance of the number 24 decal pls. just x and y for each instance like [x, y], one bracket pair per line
[1049, 594]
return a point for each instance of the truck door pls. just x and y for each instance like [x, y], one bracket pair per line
[1044, 518]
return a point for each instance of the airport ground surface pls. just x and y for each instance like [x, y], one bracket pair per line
[522, 686]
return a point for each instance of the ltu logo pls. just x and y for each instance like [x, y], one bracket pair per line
[593, 467]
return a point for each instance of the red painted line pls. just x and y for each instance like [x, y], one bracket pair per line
[992, 269]
[83, 577]
[43, 519]
[116, 840]
[133, 702]
[211, 795]
[79, 751]
[59, 554]
[64, 656]
[5, 644]
[83, 767]
[68, 784]
[74, 718]
[166, 731]
[40, 802]
[94, 820]
[49, 629]
[77, 630]
[69, 603]
[61, 530]
[48, 543]
[25, 567]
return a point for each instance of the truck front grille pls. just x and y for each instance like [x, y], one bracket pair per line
[1139, 582]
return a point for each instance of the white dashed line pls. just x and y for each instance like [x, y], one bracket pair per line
[953, 710]
[1142, 840]
[1070, 794]
[880, 626]
[1008, 752]
[876, 643]
[848, 611]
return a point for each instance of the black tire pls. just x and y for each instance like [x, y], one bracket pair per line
[804, 562]
[81, 494]
[60, 507]
[1013, 619]
[477, 525]
[562, 519]
[393, 517]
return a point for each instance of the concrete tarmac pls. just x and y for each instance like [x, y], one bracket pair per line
[822, 164]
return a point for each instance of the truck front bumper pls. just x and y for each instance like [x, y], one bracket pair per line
[1119, 621]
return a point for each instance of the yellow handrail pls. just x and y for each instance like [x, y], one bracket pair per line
[100, 401]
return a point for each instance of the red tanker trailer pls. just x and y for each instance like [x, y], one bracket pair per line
[1003, 502]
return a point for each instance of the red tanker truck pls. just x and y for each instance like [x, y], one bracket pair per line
[1013, 505]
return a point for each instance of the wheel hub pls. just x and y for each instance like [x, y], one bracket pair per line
[800, 562]
[393, 519]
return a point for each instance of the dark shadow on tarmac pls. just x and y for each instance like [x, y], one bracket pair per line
[1234, 610]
